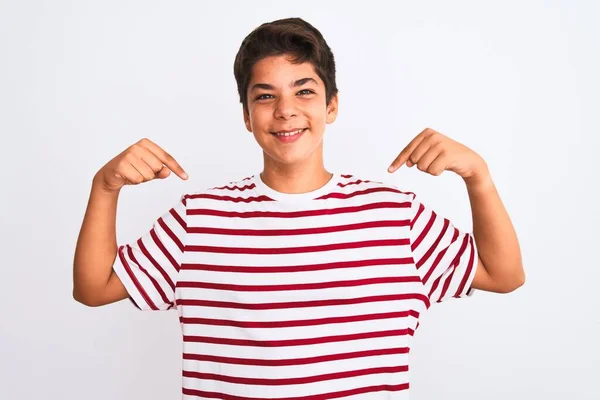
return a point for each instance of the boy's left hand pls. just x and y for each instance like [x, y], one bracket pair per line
[434, 153]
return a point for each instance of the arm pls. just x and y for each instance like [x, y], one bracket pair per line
[94, 282]
[500, 267]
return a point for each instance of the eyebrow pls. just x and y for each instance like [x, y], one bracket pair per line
[299, 82]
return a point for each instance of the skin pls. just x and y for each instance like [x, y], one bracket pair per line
[294, 98]
[298, 167]
[499, 264]
[289, 167]
[94, 281]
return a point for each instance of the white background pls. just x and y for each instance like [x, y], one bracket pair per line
[517, 82]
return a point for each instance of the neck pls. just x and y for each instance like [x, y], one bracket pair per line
[295, 178]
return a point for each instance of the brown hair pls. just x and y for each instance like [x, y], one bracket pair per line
[293, 37]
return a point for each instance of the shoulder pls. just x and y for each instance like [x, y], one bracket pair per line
[353, 184]
[233, 186]
[237, 188]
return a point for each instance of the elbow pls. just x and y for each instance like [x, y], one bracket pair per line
[85, 299]
[514, 283]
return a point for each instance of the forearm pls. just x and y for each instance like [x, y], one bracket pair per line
[96, 246]
[495, 236]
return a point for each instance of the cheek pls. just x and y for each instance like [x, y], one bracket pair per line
[317, 112]
[259, 119]
[318, 119]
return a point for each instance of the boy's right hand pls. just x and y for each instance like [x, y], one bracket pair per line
[140, 162]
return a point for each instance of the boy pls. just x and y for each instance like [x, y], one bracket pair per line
[296, 283]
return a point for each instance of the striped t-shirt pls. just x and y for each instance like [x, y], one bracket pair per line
[298, 296]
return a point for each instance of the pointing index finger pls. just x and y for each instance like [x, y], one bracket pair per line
[405, 153]
[166, 158]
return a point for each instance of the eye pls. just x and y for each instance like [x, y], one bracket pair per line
[303, 92]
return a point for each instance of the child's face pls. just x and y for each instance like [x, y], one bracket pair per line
[275, 105]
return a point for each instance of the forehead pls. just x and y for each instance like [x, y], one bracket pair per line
[279, 71]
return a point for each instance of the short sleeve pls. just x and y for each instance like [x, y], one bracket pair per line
[149, 267]
[445, 257]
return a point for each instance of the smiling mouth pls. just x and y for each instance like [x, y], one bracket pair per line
[286, 134]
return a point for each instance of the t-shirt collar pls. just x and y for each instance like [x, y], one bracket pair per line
[263, 189]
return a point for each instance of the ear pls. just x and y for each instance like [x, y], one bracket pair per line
[247, 120]
[332, 109]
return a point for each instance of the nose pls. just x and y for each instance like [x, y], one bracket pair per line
[285, 108]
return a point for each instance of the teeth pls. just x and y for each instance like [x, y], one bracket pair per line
[289, 133]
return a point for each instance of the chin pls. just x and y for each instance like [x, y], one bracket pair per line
[289, 159]
[298, 152]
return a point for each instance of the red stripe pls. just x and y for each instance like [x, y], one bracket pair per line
[156, 265]
[300, 304]
[297, 342]
[155, 283]
[358, 193]
[172, 235]
[295, 381]
[325, 396]
[434, 246]
[294, 361]
[297, 268]
[453, 266]
[297, 214]
[463, 246]
[257, 199]
[469, 267]
[178, 218]
[419, 212]
[241, 189]
[296, 323]
[303, 249]
[434, 266]
[164, 250]
[442, 253]
[446, 284]
[353, 183]
[436, 283]
[461, 251]
[451, 276]
[302, 231]
[424, 232]
[298, 286]
[134, 278]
